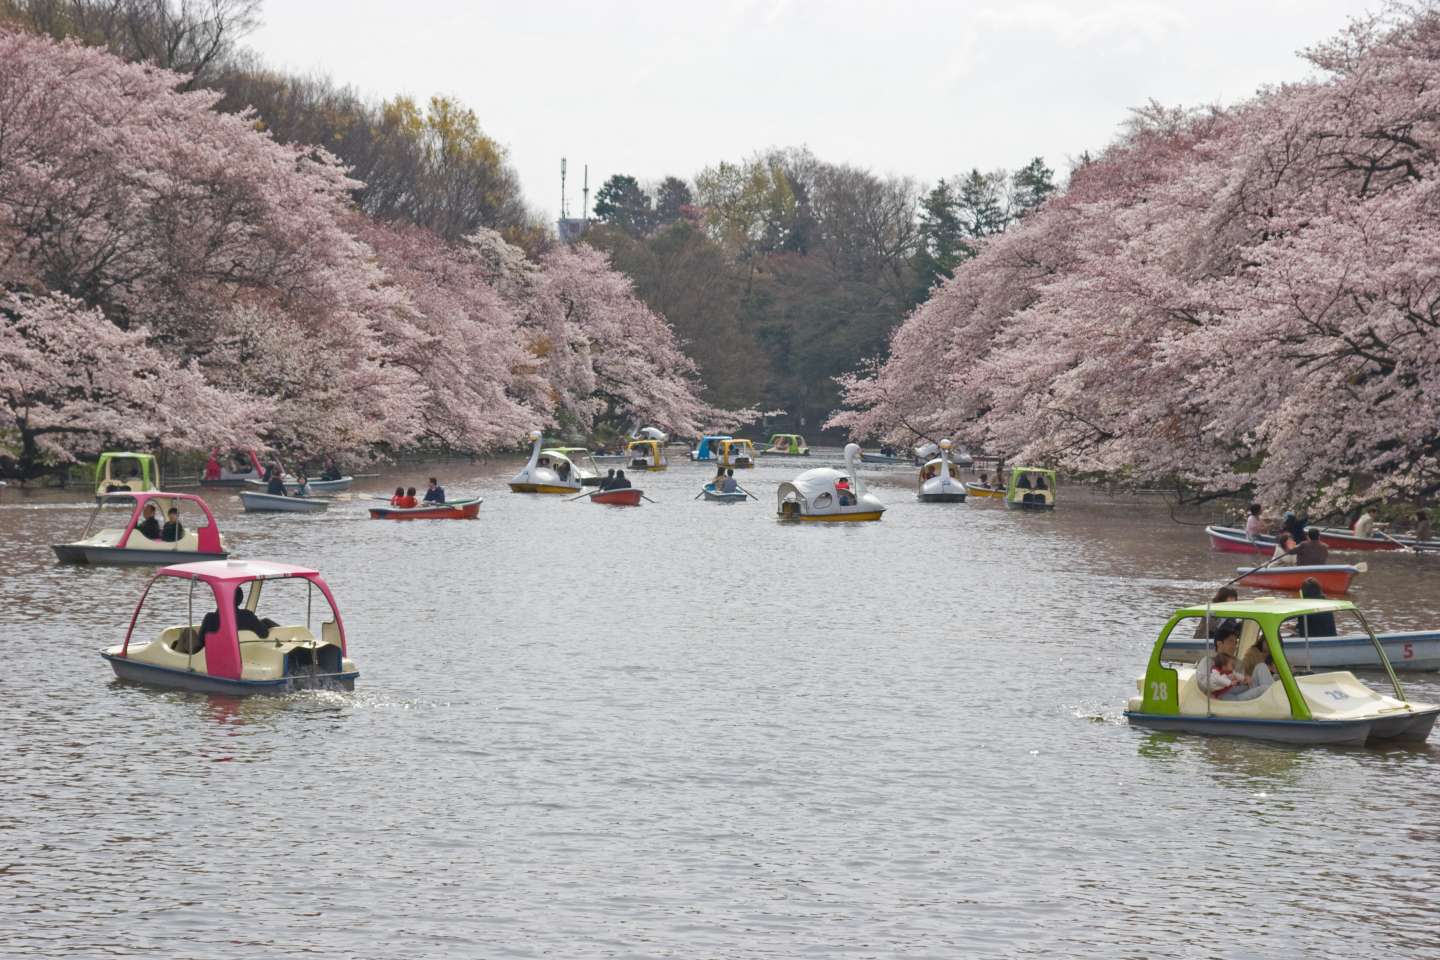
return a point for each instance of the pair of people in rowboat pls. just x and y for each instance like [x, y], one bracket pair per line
[434, 493]
[404, 498]
[615, 480]
[728, 484]
[330, 471]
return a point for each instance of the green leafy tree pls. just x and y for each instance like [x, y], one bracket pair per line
[984, 204]
[672, 198]
[621, 203]
[944, 240]
[1031, 186]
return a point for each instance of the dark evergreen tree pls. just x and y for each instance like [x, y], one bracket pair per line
[672, 197]
[622, 204]
[1031, 186]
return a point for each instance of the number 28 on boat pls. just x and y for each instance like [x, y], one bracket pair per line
[1287, 704]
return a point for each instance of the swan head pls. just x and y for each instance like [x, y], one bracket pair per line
[535, 434]
[945, 444]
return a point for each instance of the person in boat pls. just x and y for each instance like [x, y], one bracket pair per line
[408, 500]
[621, 482]
[302, 484]
[1364, 524]
[1295, 526]
[728, 485]
[329, 471]
[1204, 628]
[562, 470]
[1422, 525]
[1227, 641]
[173, 529]
[1254, 526]
[1023, 483]
[843, 494]
[245, 619]
[212, 467]
[149, 526]
[1284, 555]
[275, 483]
[1040, 482]
[399, 496]
[1312, 552]
[1314, 624]
[434, 493]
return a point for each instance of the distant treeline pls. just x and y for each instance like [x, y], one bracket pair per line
[783, 271]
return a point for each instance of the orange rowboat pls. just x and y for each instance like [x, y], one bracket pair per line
[1333, 578]
[449, 510]
[624, 497]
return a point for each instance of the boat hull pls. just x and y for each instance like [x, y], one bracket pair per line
[861, 517]
[1030, 505]
[133, 671]
[455, 510]
[1279, 731]
[628, 497]
[542, 488]
[1411, 651]
[940, 497]
[714, 497]
[274, 503]
[976, 490]
[1234, 540]
[123, 557]
[316, 486]
[1333, 578]
[880, 458]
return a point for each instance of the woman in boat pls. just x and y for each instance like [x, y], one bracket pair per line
[1364, 524]
[1254, 526]
[1227, 640]
[1284, 555]
[1203, 628]
[398, 498]
[173, 529]
[409, 499]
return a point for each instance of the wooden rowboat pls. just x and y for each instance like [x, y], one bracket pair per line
[1234, 540]
[976, 490]
[1333, 578]
[624, 497]
[274, 503]
[449, 510]
[715, 496]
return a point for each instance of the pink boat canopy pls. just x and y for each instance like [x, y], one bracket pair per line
[222, 648]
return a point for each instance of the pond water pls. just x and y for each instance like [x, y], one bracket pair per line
[687, 730]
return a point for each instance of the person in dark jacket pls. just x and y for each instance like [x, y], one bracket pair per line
[173, 529]
[608, 481]
[276, 484]
[1314, 624]
[434, 493]
[621, 483]
[244, 620]
[1312, 552]
[149, 527]
[1295, 526]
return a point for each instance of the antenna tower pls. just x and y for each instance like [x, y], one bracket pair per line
[562, 188]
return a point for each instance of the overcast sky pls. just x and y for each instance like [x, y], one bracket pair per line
[925, 89]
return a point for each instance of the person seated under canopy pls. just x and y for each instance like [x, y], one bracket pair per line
[149, 527]
[245, 619]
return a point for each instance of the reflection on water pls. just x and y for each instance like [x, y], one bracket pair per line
[688, 730]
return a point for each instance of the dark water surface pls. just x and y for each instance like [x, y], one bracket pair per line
[687, 730]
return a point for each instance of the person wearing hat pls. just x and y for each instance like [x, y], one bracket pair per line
[1295, 526]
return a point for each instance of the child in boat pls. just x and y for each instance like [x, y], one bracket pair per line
[409, 499]
[843, 493]
[1222, 675]
[302, 485]
[398, 498]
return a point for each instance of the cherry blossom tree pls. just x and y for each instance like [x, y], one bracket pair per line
[70, 381]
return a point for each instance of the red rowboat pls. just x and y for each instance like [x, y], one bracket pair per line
[1234, 540]
[1334, 579]
[449, 510]
[624, 497]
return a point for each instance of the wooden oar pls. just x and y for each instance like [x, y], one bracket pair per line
[1279, 556]
[1404, 548]
[747, 493]
[647, 499]
[588, 493]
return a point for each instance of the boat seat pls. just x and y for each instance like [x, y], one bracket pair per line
[1273, 704]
